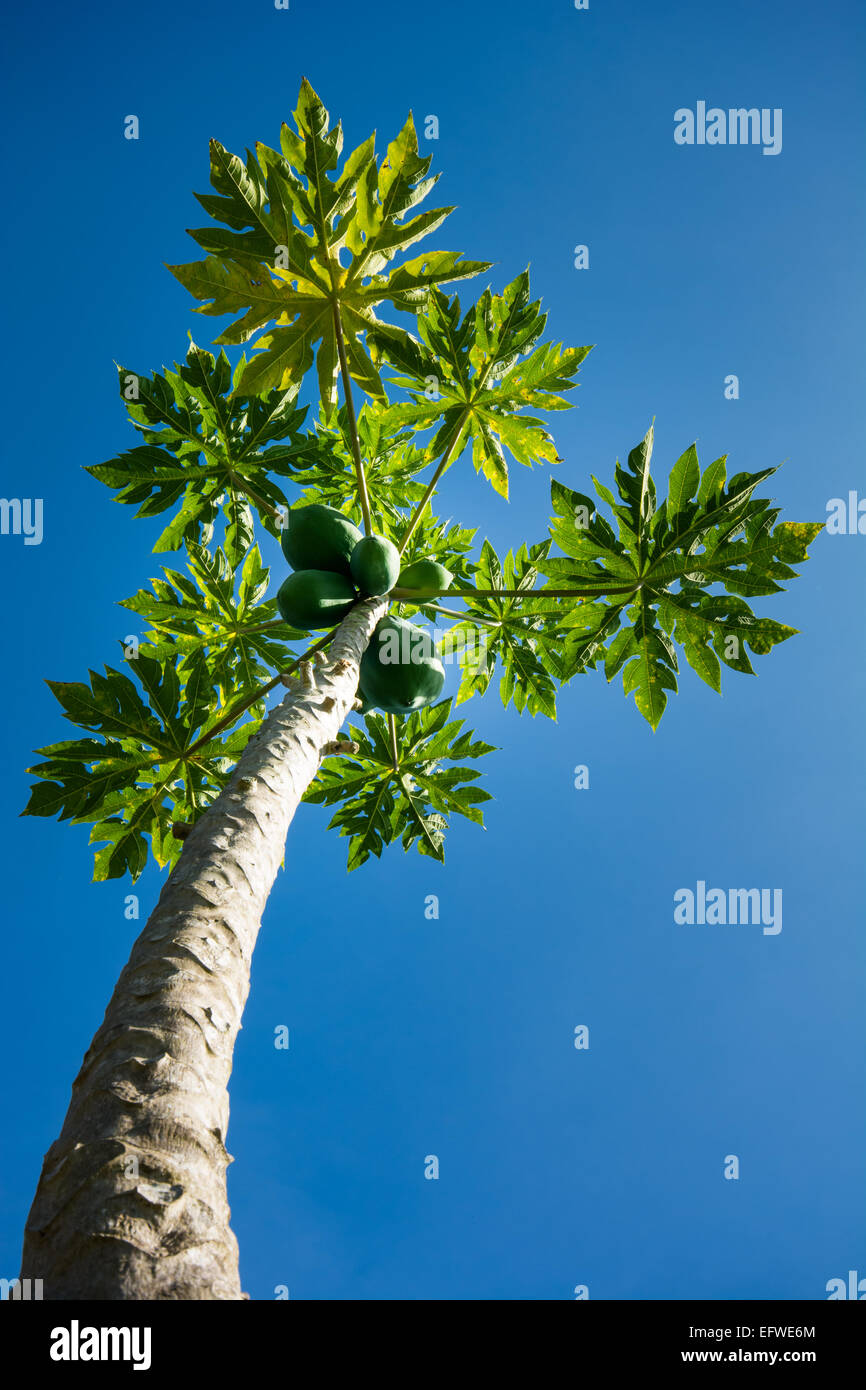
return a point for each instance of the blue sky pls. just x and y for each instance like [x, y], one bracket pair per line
[453, 1037]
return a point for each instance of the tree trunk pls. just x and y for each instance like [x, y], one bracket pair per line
[131, 1202]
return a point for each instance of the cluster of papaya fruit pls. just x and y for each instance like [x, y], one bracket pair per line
[334, 567]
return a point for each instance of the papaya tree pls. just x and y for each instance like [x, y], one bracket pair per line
[181, 751]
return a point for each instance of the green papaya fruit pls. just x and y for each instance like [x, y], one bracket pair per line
[400, 671]
[427, 577]
[375, 565]
[312, 599]
[319, 538]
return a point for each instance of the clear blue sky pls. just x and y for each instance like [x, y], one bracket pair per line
[454, 1038]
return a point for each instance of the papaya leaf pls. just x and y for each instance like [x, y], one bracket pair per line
[648, 660]
[595, 554]
[152, 765]
[466, 376]
[637, 490]
[309, 248]
[391, 463]
[242, 635]
[379, 802]
[517, 632]
[685, 567]
[205, 453]
[447, 543]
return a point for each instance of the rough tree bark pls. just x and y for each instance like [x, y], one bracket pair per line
[131, 1202]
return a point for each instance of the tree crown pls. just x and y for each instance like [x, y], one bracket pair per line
[307, 254]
